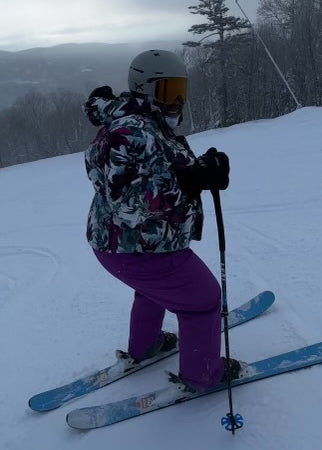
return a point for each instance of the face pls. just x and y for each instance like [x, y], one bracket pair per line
[173, 110]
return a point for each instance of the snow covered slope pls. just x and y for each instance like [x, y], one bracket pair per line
[62, 316]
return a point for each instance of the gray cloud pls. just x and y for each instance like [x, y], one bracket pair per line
[48, 22]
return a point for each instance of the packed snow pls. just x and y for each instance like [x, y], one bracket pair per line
[62, 316]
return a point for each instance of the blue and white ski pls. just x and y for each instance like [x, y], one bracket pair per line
[104, 415]
[52, 399]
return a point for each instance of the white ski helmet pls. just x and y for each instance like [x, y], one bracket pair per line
[158, 75]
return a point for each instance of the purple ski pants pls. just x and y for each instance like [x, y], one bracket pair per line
[179, 282]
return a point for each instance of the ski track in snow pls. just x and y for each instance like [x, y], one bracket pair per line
[283, 207]
[257, 245]
[25, 267]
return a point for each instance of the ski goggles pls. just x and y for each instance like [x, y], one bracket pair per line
[168, 90]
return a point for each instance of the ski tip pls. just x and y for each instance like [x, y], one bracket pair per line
[267, 294]
[68, 421]
[271, 293]
[78, 421]
[33, 404]
[266, 297]
[271, 296]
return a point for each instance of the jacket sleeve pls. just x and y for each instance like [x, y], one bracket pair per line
[187, 169]
[102, 112]
[180, 155]
[125, 165]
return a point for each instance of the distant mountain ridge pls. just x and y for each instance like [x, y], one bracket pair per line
[77, 67]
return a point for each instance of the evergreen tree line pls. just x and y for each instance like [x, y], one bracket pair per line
[232, 79]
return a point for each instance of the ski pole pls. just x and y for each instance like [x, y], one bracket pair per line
[231, 422]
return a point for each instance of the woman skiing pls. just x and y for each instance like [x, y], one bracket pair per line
[147, 209]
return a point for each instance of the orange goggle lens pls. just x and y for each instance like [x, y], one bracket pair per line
[167, 90]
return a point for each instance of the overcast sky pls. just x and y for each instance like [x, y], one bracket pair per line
[41, 23]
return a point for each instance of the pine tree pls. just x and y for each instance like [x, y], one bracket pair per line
[221, 24]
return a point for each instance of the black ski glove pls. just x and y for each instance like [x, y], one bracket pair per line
[188, 181]
[210, 172]
[216, 170]
[104, 92]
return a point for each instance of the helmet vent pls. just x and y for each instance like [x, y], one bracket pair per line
[137, 70]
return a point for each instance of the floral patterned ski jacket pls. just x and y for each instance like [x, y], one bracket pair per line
[138, 205]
